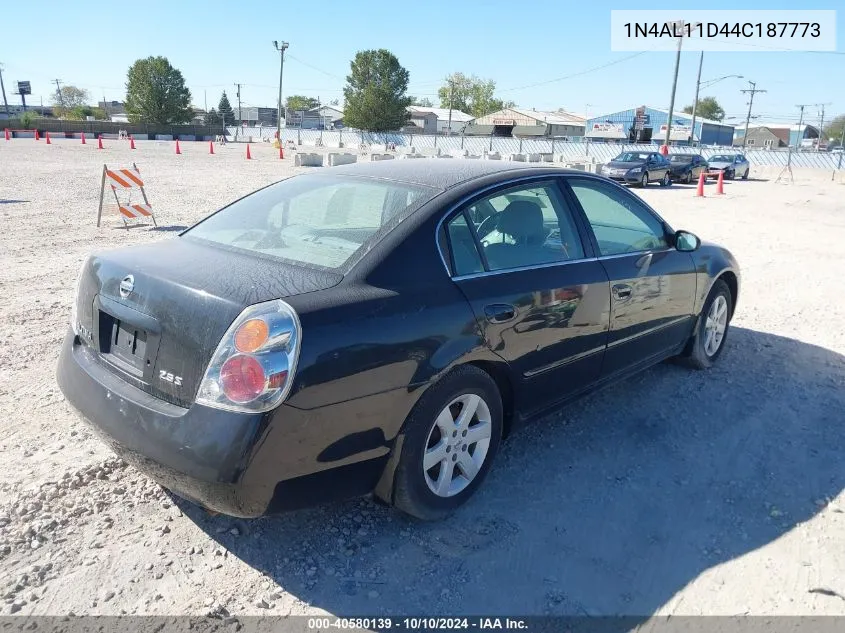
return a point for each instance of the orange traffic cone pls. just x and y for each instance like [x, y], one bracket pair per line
[700, 191]
[83, 138]
[100, 142]
[248, 155]
[6, 132]
[37, 138]
[47, 137]
[281, 152]
[131, 142]
[211, 147]
[720, 184]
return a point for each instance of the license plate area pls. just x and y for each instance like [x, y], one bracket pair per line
[128, 340]
[127, 344]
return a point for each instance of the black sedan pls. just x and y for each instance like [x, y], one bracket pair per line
[638, 168]
[380, 328]
[687, 167]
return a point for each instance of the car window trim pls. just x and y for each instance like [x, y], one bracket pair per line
[667, 229]
[461, 205]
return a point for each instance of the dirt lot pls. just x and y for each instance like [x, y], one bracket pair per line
[677, 492]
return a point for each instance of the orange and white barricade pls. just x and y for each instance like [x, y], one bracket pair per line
[125, 180]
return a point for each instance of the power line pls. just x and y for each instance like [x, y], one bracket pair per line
[578, 74]
[312, 67]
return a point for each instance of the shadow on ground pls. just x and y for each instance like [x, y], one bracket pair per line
[610, 507]
[3, 201]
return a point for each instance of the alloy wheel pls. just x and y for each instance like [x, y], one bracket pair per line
[457, 445]
[644, 180]
[715, 325]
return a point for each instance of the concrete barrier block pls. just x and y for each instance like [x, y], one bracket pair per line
[492, 156]
[335, 158]
[411, 155]
[532, 158]
[303, 159]
[459, 153]
[546, 157]
[159, 137]
[381, 157]
[520, 158]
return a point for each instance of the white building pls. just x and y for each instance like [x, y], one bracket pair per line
[458, 119]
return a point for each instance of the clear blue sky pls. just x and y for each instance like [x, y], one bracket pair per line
[215, 44]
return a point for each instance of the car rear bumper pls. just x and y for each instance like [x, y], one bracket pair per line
[244, 465]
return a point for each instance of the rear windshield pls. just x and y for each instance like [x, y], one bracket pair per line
[313, 219]
[680, 158]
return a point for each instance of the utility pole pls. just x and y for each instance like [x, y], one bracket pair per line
[821, 125]
[451, 95]
[3, 88]
[695, 101]
[240, 120]
[676, 28]
[788, 167]
[753, 90]
[281, 48]
[59, 92]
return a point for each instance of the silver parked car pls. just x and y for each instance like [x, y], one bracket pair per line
[734, 165]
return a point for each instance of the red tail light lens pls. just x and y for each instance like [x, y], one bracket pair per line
[242, 378]
[253, 367]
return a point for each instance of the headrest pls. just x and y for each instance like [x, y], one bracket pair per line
[523, 221]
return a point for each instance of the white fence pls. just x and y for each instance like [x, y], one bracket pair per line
[476, 145]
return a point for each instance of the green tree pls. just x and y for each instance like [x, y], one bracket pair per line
[300, 102]
[225, 110]
[833, 130]
[28, 118]
[374, 96]
[212, 118]
[68, 98]
[471, 94]
[425, 102]
[708, 108]
[156, 93]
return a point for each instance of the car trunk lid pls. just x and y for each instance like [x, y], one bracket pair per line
[155, 313]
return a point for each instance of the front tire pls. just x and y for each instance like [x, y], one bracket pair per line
[706, 346]
[644, 180]
[450, 440]
[745, 175]
[688, 178]
[729, 175]
[666, 181]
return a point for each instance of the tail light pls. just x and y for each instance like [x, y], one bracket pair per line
[253, 367]
[74, 312]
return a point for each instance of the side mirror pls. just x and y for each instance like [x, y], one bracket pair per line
[686, 242]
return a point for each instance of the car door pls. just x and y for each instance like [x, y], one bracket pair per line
[652, 285]
[657, 167]
[538, 294]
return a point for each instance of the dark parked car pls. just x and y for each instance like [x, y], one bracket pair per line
[686, 167]
[639, 168]
[380, 327]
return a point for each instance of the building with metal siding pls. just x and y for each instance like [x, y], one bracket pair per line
[648, 125]
[519, 122]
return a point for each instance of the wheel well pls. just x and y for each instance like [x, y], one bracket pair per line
[500, 376]
[729, 278]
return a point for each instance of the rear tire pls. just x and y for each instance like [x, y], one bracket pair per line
[458, 451]
[707, 343]
[666, 181]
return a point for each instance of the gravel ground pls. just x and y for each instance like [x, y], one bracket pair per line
[675, 492]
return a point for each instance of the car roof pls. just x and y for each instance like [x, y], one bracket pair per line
[440, 173]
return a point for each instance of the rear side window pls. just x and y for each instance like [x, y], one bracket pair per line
[318, 220]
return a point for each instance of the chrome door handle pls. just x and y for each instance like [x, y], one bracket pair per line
[622, 291]
[499, 312]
